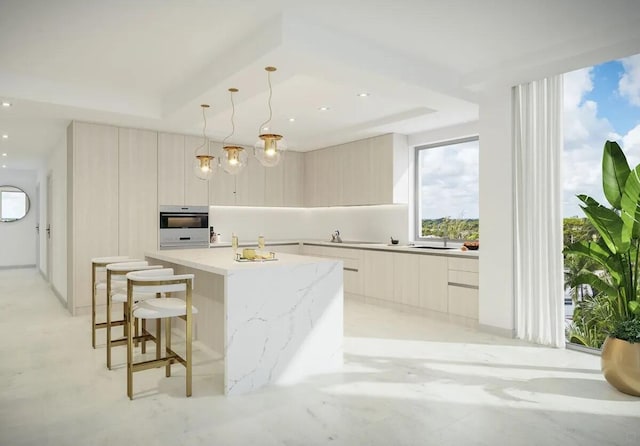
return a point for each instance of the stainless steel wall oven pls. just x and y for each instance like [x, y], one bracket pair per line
[184, 227]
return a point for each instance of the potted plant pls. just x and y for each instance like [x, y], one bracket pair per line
[617, 252]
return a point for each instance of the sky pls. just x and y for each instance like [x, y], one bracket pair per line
[600, 103]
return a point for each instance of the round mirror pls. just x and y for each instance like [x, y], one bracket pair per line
[14, 203]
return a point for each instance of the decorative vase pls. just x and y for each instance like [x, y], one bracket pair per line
[620, 363]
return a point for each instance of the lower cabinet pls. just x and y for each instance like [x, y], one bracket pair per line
[288, 249]
[438, 284]
[433, 283]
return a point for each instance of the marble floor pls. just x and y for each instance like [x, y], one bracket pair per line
[407, 380]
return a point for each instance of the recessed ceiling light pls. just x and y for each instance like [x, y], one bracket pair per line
[363, 95]
[4, 154]
[4, 166]
[6, 104]
[5, 136]
[323, 108]
[292, 119]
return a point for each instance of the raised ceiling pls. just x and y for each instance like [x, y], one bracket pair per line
[150, 63]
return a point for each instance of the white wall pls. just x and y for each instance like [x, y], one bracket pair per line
[18, 238]
[56, 168]
[356, 223]
[496, 306]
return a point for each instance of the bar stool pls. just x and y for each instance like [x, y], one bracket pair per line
[116, 277]
[98, 265]
[160, 281]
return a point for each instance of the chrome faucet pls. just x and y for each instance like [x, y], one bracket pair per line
[335, 237]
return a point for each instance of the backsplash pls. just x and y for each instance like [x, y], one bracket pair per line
[356, 223]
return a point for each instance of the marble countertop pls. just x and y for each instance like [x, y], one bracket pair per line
[456, 252]
[396, 248]
[221, 261]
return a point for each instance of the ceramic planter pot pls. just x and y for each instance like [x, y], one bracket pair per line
[620, 363]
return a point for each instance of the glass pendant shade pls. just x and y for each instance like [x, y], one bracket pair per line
[269, 148]
[234, 159]
[204, 166]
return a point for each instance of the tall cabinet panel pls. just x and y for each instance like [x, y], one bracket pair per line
[250, 184]
[293, 181]
[138, 191]
[93, 203]
[274, 183]
[222, 188]
[171, 169]
[196, 191]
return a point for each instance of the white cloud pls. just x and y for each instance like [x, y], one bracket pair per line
[449, 184]
[576, 85]
[629, 85]
[584, 136]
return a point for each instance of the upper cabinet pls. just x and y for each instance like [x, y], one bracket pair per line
[364, 172]
[177, 184]
[196, 191]
[257, 185]
[137, 191]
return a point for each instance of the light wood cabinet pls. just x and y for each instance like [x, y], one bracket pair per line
[274, 183]
[463, 287]
[137, 191]
[92, 186]
[433, 283]
[378, 274]
[222, 187]
[250, 184]
[406, 286]
[369, 171]
[293, 179]
[196, 190]
[289, 249]
[171, 169]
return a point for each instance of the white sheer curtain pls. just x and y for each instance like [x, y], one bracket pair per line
[538, 262]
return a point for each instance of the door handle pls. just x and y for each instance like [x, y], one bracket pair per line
[48, 231]
[38, 229]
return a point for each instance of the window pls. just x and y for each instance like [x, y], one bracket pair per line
[447, 190]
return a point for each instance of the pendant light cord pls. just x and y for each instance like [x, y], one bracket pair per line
[270, 110]
[233, 126]
[204, 133]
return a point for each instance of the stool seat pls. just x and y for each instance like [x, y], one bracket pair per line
[160, 308]
[137, 297]
[98, 266]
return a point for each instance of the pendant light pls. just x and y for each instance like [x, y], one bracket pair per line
[270, 146]
[203, 165]
[234, 158]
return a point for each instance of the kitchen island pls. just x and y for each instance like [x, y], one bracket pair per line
[275, 322]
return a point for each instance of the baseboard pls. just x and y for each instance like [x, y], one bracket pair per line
[59, 296]
[18, 266]
[498, 331]
[583, 349]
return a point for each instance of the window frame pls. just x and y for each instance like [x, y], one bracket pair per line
[416, 184]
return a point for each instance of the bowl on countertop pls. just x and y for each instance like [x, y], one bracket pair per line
[472, 246]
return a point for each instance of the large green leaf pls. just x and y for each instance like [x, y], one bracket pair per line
[634, 307]
[631, 205]
[595, 282]
[600, 253]
[607, 222]
[615, 170]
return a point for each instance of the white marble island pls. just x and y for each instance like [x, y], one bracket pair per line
[275, 322]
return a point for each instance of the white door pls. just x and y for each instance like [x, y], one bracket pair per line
[37, 209]
[48, 228]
